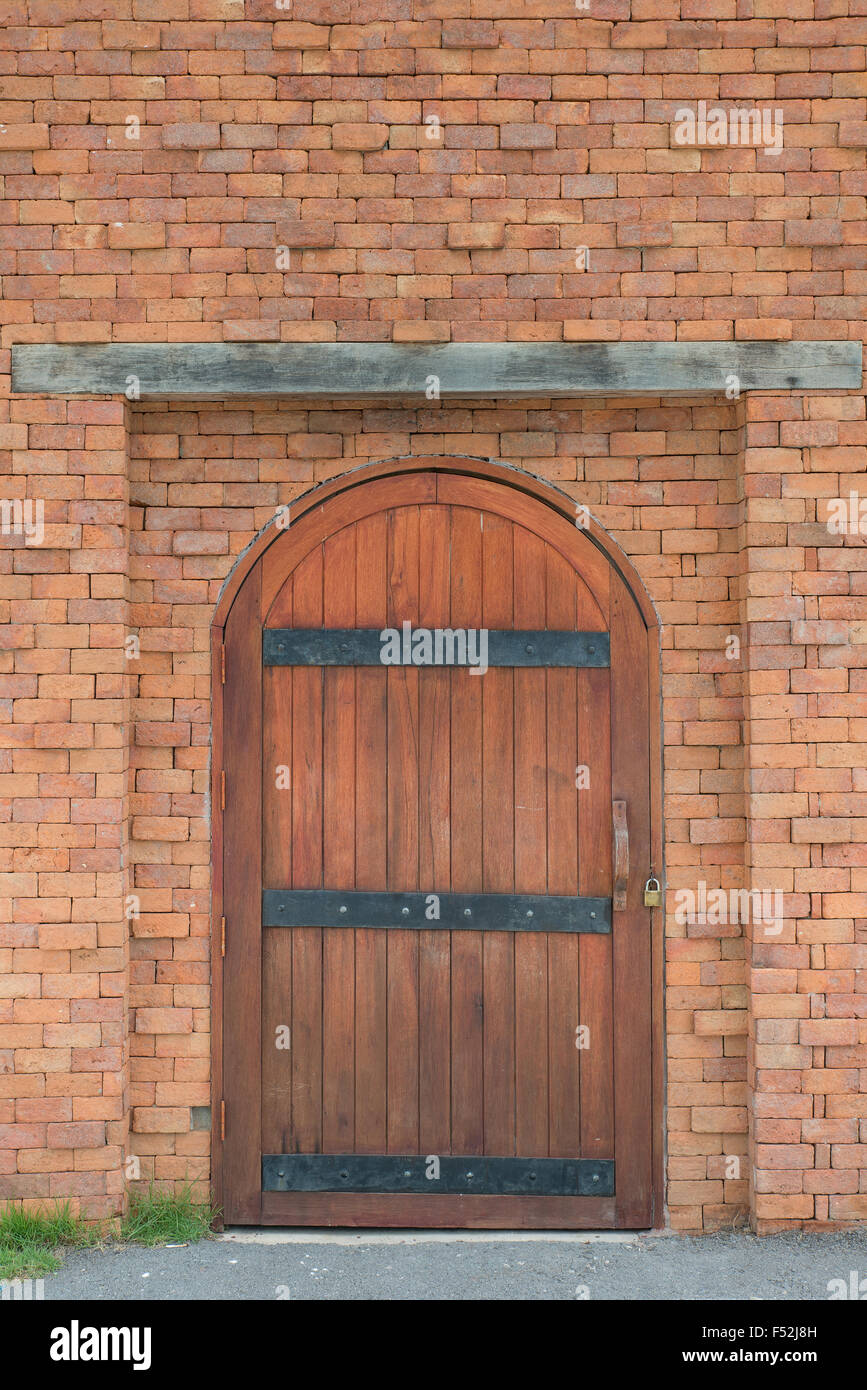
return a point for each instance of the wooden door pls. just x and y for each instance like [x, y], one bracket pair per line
[436, 1007]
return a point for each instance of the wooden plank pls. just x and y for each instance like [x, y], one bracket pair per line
[402, 870]
[426, 473]
[277, 1036]
[466, 843]
[562, 830]
[631, 937]
[559, 531]
[657, 851]
[338, 825]
[204, 370]
[472, 1213]
[544, 986]
[242, 877]
[277, 872]
[595, 1013]
[371, 1078]
[306, 1133]
[218, 635]
[531, 839]
[434, 846]
[315, 523]
[498, 836]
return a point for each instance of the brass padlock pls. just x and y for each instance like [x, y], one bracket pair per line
[652, 892]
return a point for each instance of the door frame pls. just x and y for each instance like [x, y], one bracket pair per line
[548, 494]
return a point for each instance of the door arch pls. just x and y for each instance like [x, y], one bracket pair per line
[388, 1066]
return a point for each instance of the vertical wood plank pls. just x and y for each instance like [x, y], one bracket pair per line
[306, 1132]
[277, 873]
[402, 872]
[498, 832]
[338, 818]
[531, 838]
[218, 980]
[466, 784]
[412, 1041]
[242, 906]
[371, 844]
[631, 935]
[595, 880]
[434, 947]
[561, 692]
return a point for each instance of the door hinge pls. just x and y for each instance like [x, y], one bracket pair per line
[223, 790]
[222, 1119]
[222, 663]
[222, 936]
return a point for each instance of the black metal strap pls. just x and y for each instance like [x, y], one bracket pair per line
[432, 647]
[542, 1177]
[329, 907]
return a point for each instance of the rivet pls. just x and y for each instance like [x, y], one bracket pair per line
[530, 649]
[342, 909]
[530, 913]
[467, 912]
[404, 911]
[592, 914]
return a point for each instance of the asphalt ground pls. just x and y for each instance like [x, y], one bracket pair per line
[415, 1265]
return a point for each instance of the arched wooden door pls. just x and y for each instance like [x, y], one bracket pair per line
[436, 1001]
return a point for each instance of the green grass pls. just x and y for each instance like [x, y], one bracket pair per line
[30, 1240]
[164, 1217]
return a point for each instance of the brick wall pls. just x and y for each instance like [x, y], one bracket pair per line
[201, 170]
[428, 175]
[802, 610]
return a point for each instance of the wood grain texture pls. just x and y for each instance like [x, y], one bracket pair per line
[467, 1052]
[339, 796]
[202, 370]
[434, 863]
[428, 472]
[371, 842]
[479, 1213]
[403, 833]
[498, 841]
[242, 877]
[531, 852]
[631, 940]
[438, 779]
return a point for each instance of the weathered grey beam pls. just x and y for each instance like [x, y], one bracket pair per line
[203, 370]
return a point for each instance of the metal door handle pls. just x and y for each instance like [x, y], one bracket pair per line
[621, 855]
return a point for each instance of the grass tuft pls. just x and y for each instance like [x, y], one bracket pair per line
[30, 1240]
[158, 1217]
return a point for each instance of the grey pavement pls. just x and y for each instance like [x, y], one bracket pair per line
[349, 1265]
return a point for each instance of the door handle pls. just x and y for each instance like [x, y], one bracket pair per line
[621, 855]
